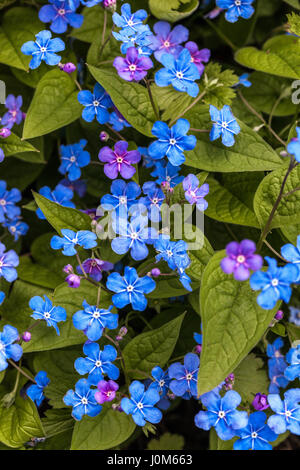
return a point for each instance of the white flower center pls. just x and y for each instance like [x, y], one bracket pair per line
[98, 363]
[221, 414]
[224, 125]
[129, 288]
[275, 282]
[2, 202]
[47, 315]
[130, 23]
[179, 75]
[72, 159]
[61, 11]
[134, 236]
[123, 200]
[96, 103]
[241, 259]
[167, 44]
[43, 49]
[96, 314]
[254, 435]
[140, 406]
[288, 414]
[119, 159]
[84, 401]
[161, 383]
[172, 141]
[238, 3]
[189, 376]
[132, 67]
[2, 346]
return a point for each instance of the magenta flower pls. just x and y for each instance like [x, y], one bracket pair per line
[241, 259]
[133, 67]
[119, 160]
[198, 56]
[94, 267]
[106, 391]
[260, 402]
[73, 280]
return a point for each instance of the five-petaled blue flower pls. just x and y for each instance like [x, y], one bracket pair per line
[16, 227]
[256, 435]
[123, 196]
[43, 48]
[195, 194]
[36, 391]
[95, 104]
[128, 21]
[97, 363]
[185, 376]
[73, 157]
[293, 358]
[44, 310]
[222, 414]
[153, 200]
[141, 404]
[70, 239]
[133, 236]
[243, 80]
[292, 254]
[117, 121]
[61, 195]
[224, 125]
[293, 146]
[141, 38]
[287, 411]
[93, 320]
[167, 174]
[130, 289]
[180, 72]
[9, 350]
[7, 202]
[60, 14]
[8, 262]
[274, 283]
[236, 9]
[172, 142]
[82, 400]
[174, 253]
[294, 315]
[161, 380]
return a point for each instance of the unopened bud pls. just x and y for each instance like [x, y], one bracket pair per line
[198, 348]
[109, 5]
[68, 269]
[155, 272]
[104, 136]
[73, 280]
[260, 402]
[26, 336]
[5, 132]
[279, 315]
[68, 68]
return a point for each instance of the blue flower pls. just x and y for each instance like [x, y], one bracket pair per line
[294, 145]
[292, 254]
[153, 200]
[61, 195]
[276, 372]
[167, 174]
[73, 157]
[117, 121]
[44, 310]
[172, 142]
[97, 363]
[185, 376]
[294, 315]
[82, 400]
[36, 391]
[133, 236]
[123, 196]
[70, 239]
[7, 202]
[161, 381]
[256, 435]
[236, 9]
[224, 125]
[60, 14]
[79, 186]
[148, 162]
[8, 262]
[93, 320]
[2, 297]
[167, 41]
[184, 278]
[174, 253]
[129, 22]
[222, 414]
[140, 38]
[243, 80]
[9, 350]
[181, 73]
[293, 358]
[194, 194]
[198, 337]
[43, 48]
[274, 283]
[141, 404]
[16, 227]
[130, 289]
[287, 411]
[95, 104]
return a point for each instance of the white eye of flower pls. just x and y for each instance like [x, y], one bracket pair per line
[179, 75]
[123, 200]
[274, 282]
[169, 253]
[98, 363]
[288, 414]
[2, 346]
[172, 141]
[224, 125]
[72, 159]
[96, 314]
[130, 23]
[189, 376]
[61, 11]
[134, 235]
[167, 44]
[161, 383]
[2, 202]
[254, 435]
[238, 3]
[129, 288]
[43, 49]
[140, 406]
[132, 67]
[47, 315]
[221, 414]
[119, 159]
[96, 103]
[241, 259]
[84, 401]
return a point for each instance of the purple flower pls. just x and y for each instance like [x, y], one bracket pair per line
[119, 160]
[167, 41]
[94, 267]
[60, 14]
[106, 391]
[241, 259]
[260, 402]
[194, 194]
[14, 114]
[198, 56]
[133, 67]
[73, 280]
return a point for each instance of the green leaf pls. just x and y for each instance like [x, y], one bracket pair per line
[249, 153]
[280, 56]
[57, 421]
[19, 25]
[267, 193]
[54, 105]
[232, 321]
[62, 217]
[250, 378]
[92, 24]
[200, 254]
[45, 338]
[105, 431]
[217, 85]
[167, 441]
[19, 423]
[293, 3]
[13, 146]
[215, 443]
[37, 275]
[152, 348]
[293, 332]
[226, 207]
[131, 99]
[173, 10]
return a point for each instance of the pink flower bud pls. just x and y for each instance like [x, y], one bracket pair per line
[5, 132]
[68, 269]
[69, 67]
[26, 336]
[104, 136]
[260, 402]
[279, 315]
[155, 272]
[73, 280]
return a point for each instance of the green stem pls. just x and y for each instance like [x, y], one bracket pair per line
[115, 132]
[11, 362]
[274, 251]
[188, 108]
[222, 35]
[156, 112]
[116, 344]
